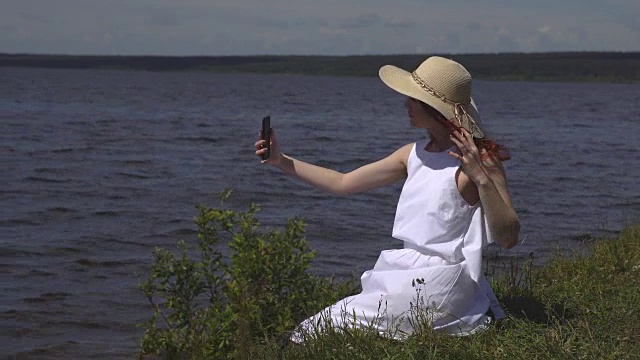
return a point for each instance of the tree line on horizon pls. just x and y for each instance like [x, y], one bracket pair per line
[555, 66]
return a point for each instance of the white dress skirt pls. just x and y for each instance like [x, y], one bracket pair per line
[436, 280]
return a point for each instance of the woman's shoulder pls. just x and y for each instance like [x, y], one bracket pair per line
[406, 150]
[404, 153]
[408, 147]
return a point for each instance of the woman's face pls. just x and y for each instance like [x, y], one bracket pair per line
[424, 118]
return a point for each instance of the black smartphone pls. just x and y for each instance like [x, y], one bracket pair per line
[266, 135]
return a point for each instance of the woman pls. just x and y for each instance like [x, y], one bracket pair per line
[454, 201]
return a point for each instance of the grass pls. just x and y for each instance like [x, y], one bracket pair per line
[583, 307]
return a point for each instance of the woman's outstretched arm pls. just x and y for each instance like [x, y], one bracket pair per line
[379, 173]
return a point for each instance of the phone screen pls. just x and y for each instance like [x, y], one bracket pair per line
[266, 135]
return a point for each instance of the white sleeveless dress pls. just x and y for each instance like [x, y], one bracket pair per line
[437, 277]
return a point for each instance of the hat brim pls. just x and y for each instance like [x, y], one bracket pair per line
[402, 81]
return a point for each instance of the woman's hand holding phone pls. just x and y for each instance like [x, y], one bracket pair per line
[266, 146]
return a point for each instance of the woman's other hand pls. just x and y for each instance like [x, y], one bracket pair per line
[275, 156]
[470, 157]
[489, 178]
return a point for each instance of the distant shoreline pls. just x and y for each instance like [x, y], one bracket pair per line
[615, 67]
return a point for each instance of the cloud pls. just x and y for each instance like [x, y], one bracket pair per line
[630, 19]
[506, 43]
[333, 31]
[473, 26]
[292, 23]
[578, 32]
[370, 20]
[453, 39]
[403, 24]
[544, 29]
[362, 21]
[30, 17]
[162, 17]
[546, 42]
[228, 27]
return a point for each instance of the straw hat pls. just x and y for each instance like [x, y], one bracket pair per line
[442, 84]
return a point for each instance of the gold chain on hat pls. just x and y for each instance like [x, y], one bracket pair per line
[458, 109]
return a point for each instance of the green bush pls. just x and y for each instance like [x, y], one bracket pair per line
[206, 305]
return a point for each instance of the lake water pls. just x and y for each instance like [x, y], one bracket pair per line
[100, 167]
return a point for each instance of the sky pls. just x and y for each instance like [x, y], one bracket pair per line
[316, 27]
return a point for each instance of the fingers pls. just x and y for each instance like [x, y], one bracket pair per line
[469, 137]
[464, 141]
[463, 136]
[455, 155]
[467, 134]
[261, 146]
[460, 143]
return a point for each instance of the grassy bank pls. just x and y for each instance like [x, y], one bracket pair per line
[585, 307]
[244, 306]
